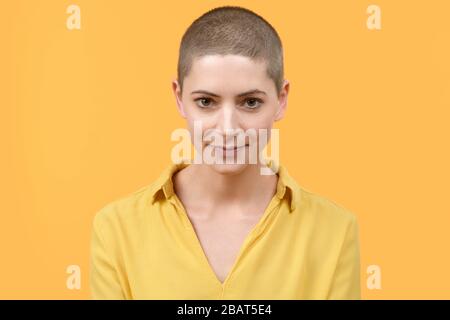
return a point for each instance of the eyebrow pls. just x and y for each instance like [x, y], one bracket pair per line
[239, 95]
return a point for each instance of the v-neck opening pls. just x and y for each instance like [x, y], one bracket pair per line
[273, 204]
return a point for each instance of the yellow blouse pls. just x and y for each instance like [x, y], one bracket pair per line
[305, 246]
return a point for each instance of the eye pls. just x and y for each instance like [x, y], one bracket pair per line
[253, 103]
[203, 102]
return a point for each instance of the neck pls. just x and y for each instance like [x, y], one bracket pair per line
[201, 186]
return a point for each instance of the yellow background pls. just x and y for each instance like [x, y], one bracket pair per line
[86, 117]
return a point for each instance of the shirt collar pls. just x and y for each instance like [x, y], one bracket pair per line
[287, 187]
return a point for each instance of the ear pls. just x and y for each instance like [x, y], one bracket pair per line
[282, 100]
[177, 92]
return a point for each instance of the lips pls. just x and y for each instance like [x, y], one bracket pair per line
[228, 148]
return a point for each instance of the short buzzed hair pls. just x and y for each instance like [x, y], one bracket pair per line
[232, 30]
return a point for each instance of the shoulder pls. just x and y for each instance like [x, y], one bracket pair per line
[325, 214]
[329, 228]
[125, 210]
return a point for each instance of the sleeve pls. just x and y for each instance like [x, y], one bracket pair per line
[346, 280]
[104, 283]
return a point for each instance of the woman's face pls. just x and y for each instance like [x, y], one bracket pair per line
[227, 95]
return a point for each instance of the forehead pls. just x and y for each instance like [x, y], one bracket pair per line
[227, 73]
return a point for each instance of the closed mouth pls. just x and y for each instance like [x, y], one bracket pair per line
[230, 148]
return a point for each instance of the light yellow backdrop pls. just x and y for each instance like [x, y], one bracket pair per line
[86, 117]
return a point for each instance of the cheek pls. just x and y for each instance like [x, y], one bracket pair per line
[198, 126]
[262, 123]
[263, 120]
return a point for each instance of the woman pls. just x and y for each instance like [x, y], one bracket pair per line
[224, 230]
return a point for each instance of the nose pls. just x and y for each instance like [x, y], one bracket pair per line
[228, 123]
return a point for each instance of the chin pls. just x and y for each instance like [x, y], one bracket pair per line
[229, 169]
